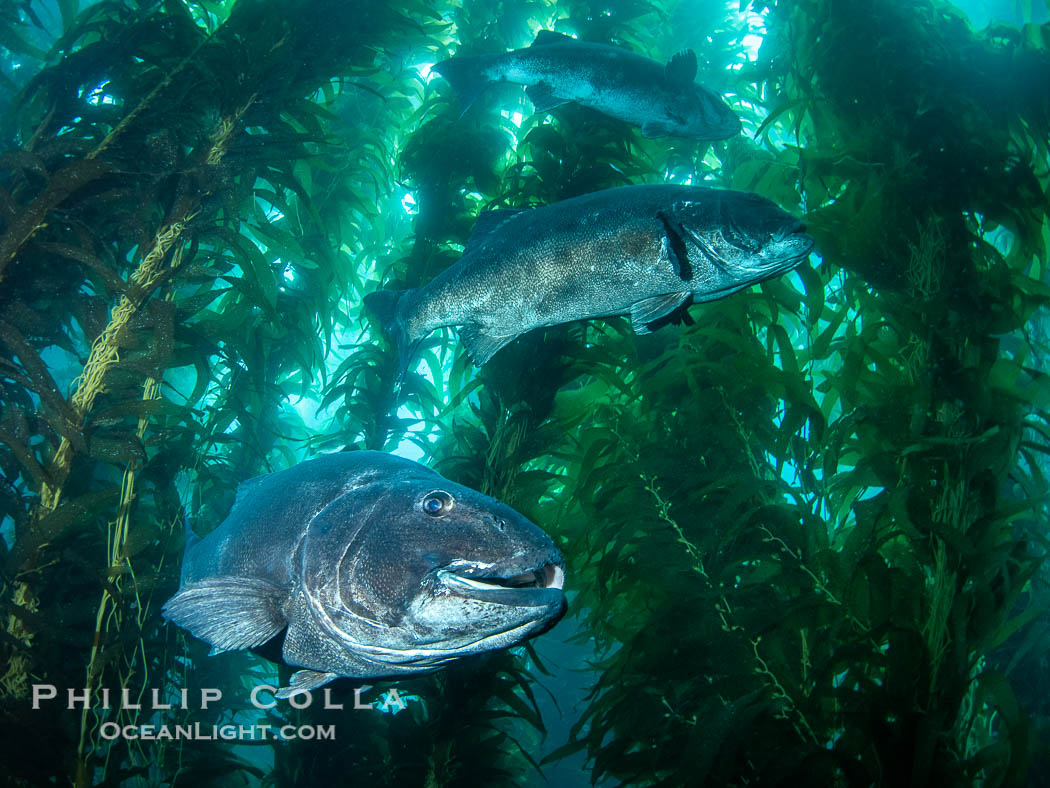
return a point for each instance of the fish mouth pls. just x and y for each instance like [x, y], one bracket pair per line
[801, 243]
[790, 245]
[527, 581]
[730, 127]
[727, 125]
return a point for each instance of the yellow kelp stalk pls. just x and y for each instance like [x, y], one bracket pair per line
[13, 683]
[104, 355]
[104, 351]
[91, 382]
[109, 614]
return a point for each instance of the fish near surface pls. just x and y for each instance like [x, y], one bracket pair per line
[664, 100]
[372, 565]
[637, 250]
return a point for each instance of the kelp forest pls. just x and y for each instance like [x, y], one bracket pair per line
[804, 526]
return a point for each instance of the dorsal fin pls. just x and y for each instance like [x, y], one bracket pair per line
[488, 222]
[680, 70]
[546, 37]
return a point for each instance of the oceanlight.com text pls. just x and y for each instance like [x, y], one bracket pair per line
[198, 732]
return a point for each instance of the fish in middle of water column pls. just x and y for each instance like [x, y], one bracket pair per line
[638, 250]
[371, 565]
[662, 99]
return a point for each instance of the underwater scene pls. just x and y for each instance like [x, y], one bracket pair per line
[524, 393]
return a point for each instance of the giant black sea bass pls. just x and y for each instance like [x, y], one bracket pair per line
[372, 565]
[637, 250]
[662, 99]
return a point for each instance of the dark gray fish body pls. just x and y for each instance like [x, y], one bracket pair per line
[637, 250]
[372, 565]
[662, 99]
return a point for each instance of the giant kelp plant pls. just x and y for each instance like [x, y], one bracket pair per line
[805, 528]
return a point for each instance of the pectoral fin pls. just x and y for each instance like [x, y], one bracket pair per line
[656, 128]
[229, 612]
[650, 309]
[304, 681]
[480, 345]
[543, 98]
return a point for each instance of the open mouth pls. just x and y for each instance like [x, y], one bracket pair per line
[549, 576]
[504, 582]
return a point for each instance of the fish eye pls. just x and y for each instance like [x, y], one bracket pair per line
[437, 503]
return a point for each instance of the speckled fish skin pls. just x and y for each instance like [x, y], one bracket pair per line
[638, 250]
[341, 555]
[662, 99]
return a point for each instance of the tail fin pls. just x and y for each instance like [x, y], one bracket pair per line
[466, 75]
[384, 305]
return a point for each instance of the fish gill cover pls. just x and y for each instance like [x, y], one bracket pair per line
[804, 530]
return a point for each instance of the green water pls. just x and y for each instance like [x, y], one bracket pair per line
[804, 529]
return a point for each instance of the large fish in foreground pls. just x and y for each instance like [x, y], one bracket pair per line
[372, 565]
[638, 250]
[662, 99]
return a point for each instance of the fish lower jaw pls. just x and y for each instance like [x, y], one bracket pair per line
[431, 656]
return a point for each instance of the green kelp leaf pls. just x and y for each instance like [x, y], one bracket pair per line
[571, 747]
[14, 42]
[71, 512]
[25, 457]
[61, 185]
[121, 451]
[190, 305]
[996, 691]
[776, 334]
[108, 276]
[142, 535]
[1016, 624]
[276, 200]
[59, 413]
[813, 282]
[528, 711]
[775, 113]
[68, 9]
[257, 280]
[546, 139]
